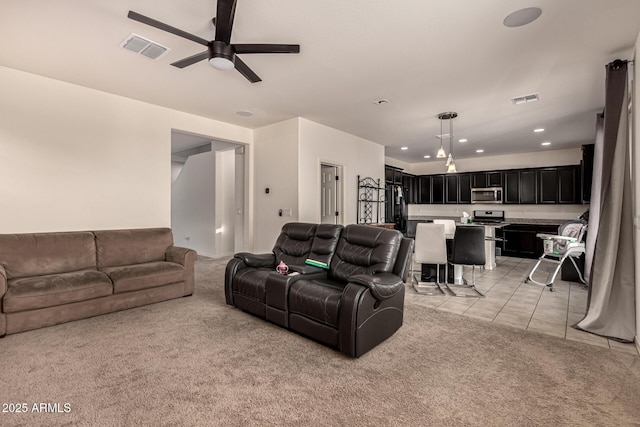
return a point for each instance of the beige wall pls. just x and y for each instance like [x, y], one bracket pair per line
[275, 165]
[75, 158]
[287, 158]
[357, 156]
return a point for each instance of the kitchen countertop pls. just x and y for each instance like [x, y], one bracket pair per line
[506, 220]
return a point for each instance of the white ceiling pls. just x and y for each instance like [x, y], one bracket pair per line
[423, 56]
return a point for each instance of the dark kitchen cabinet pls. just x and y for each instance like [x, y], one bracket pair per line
[479, 180]
[392, 175]
[437, 189]
[464, 188]
[520, 240]
[410, 186]
[548, 185]
[568, 185]
[486, 179]
[527, 186]
[494, 179]
[511, 189]
[558, 185]
[424, 189]
[451, 189]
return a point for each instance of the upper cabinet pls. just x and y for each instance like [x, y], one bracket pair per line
[437, 189]
[486, 179]
[550, 185]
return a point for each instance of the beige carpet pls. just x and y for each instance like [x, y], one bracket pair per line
[197, 361]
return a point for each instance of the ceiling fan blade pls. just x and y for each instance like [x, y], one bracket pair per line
[266, 48]
[168, 28]
[191, 60]
[246, 71]
[224, 20]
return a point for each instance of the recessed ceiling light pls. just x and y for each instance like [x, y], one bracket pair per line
[480, 151]
[404, 148]
[538, 130]
[244, 113]
[546, 143]
[463, 140]
[522, 17]
[427, 156]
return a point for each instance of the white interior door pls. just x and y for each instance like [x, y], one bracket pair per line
[329, 204]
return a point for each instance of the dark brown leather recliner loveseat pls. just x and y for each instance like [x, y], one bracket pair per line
[352, 307]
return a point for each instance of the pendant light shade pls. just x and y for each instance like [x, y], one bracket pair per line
[441, 154]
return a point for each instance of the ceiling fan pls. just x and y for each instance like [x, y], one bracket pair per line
[221, 53]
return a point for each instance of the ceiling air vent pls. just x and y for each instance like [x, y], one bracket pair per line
[525, 99]
[143, 46]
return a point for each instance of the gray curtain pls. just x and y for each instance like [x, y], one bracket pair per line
[610, 248]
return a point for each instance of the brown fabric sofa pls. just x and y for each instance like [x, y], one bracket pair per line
[51, 278]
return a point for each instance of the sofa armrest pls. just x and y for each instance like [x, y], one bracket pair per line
[186, 258]
[382, 286]
[257, 260]
[178, 255]
[3, 281]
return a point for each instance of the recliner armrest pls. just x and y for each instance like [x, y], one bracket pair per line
[257, 260]
[382, 286]
[305, 269]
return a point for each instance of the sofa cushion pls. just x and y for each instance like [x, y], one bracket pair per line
[39, 254]
[128, 278]
[250, 282]
[316, 299]
[29, 293]
[127, 247]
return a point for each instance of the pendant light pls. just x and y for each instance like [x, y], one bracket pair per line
[450, 164]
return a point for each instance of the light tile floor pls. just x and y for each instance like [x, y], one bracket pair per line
[510, 301]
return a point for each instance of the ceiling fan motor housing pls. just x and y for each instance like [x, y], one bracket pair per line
[220, 49]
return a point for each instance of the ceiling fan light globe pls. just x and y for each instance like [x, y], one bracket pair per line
[220, 63]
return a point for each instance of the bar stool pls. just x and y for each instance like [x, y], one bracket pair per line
[430, 248]
[468, 249]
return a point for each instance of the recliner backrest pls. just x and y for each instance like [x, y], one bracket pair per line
[364, 249]
[325, 242]
[294, 243]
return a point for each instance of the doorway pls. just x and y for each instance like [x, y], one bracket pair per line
[207, 194]
[331, 194]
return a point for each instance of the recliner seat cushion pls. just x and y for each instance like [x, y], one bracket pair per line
[251, 282]
[143, 276]
[316, 299]
[29, 293]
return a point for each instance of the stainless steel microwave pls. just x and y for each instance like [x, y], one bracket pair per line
[486, 195]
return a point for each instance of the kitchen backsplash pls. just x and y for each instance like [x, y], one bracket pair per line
[563, 212]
